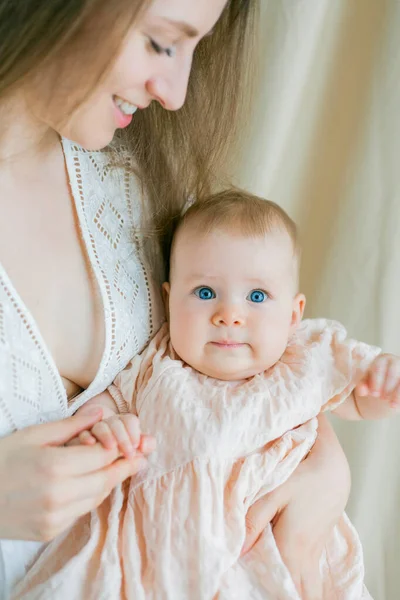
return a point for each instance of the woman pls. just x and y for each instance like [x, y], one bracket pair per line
[77, 296]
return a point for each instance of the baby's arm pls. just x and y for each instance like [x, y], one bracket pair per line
[378, 394]
[104, 401]
[122, 430]
[120, 425]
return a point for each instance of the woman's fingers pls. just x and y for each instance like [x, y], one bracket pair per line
[304, 510]
[258, 516]
[78, 460]
[301, 558]
[311, 587]
[302, 565]
[98, 485]
[60, 505]
[43, 485]
[60, 432]
[122, 469]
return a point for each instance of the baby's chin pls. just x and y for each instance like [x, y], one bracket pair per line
[239, 365]
[231, 374]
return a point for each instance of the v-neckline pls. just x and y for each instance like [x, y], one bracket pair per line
[26, 314]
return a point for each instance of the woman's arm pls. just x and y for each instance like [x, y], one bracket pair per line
[304, 510]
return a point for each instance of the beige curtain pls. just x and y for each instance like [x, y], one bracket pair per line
[325, 143]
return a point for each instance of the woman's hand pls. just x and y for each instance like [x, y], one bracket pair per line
[45, 486]
[304, 510]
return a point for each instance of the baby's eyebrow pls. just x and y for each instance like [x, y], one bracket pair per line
[202, 276]
[258, 282]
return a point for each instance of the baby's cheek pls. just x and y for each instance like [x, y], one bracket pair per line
[185, 337]
[271, 346]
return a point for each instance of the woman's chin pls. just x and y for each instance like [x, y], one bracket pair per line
[90, 140]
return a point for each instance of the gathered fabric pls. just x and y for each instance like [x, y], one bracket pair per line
[176, 530]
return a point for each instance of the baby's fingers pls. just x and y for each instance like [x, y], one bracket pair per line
[132, 426]
[147, 444]
[102, 433]
[392, 376]
[377, 375]
[86, 438]
[395, 398]
[120, 432]
[363, 388]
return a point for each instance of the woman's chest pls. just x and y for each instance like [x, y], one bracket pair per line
[43, 256]
[77, 301]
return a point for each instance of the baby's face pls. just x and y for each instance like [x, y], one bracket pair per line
[232, 301]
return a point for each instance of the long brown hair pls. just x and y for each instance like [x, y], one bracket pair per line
[182, 154]
[176, 155]
[39, 38]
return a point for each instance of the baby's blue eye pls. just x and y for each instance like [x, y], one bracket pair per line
[257, 296]
[204, 293]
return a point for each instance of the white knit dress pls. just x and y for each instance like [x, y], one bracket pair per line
[31, 390]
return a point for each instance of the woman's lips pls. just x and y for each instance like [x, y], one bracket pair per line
[121, 118]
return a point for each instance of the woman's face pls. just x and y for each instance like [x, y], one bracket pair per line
[153, 64]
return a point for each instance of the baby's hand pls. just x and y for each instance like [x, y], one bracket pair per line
[382, 380]
[121, 430]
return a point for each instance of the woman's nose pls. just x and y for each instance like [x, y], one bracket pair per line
[170, 88]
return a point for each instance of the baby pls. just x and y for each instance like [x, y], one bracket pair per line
[231, 389]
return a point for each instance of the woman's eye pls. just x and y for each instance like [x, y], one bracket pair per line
[257, 296]
[204, 293]
[160, 49]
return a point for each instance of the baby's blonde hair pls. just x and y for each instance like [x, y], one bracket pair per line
[237, 211]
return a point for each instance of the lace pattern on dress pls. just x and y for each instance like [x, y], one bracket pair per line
[108, 204]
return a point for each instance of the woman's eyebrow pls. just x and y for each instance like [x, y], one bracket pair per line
[187, 29]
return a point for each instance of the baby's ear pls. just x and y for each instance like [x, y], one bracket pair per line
[165, 294]
[299, 304]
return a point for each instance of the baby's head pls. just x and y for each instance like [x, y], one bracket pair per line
[232, 296]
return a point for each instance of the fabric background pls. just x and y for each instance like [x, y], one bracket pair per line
[324, 142]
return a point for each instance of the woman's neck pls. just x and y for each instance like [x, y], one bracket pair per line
[25, 140]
